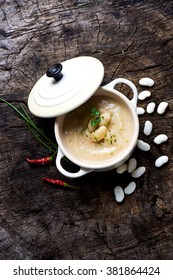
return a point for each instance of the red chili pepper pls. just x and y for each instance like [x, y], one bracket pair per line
[41, 161]
[59, 183]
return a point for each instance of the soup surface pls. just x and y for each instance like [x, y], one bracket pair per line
[78, 138]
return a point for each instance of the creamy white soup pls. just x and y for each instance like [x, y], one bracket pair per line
[98, 130]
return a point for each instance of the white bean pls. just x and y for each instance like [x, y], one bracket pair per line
[162, 107]
[105, 119]
[143, 145]
[119, 193]
[122, 168]
[91, 128]
[130, 188]
[150, 107]
[140, 111]
[146, 82]
[160, 138]
[99, 134]
[132, 164]
[138, 172]
[148, 127]
[144, 94]
[161, 160]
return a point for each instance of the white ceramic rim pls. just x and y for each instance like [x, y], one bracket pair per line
[113, 162]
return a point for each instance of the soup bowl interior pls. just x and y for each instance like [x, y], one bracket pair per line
[74, 140]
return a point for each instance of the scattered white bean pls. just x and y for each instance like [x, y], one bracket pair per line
[160, 138]
[146, 82]
[144, 94]
[162, 107]
[140, 111]
[122, 168]
[143, 145]
[138, 172]
[150, 107]
[99, 134]
[130, 188]
[119, 193]
[161, 160]
[148, 127]
[132, 164]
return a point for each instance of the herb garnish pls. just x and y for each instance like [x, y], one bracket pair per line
[96, 121]
[95, 113]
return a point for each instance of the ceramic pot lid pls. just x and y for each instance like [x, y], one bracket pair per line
[65, 86]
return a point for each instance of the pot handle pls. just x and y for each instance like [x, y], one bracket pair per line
[80, 173]
[112, 84]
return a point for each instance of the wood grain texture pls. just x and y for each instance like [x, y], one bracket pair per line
[132, 39]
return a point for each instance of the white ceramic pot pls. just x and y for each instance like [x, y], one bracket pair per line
[89, 166]
[66, 86]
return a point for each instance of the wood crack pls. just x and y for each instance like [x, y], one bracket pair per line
[107, 246]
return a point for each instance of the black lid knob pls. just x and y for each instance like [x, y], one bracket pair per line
[55, 71]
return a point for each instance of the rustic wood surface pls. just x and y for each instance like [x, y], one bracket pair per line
[132, 39]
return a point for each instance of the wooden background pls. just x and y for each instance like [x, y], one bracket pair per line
[132, 39]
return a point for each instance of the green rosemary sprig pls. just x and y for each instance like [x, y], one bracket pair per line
[32, 127]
